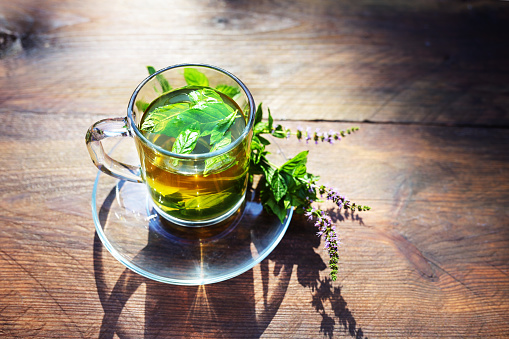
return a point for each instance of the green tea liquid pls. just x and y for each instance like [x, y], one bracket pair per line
[194, 189]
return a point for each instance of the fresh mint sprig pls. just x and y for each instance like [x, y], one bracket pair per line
[291, 186]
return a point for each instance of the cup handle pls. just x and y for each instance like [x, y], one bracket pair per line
[116, 127]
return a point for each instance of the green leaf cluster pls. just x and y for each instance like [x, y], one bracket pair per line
[204, 114]
[193, 77]
[283, 187]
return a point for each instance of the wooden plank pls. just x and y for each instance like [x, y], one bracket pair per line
[430, 259]
[431, 62]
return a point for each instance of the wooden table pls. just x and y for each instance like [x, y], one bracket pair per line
[427, 82]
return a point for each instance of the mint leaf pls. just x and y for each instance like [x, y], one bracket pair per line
[212, 107]
[165, 85]
[262, 140]
[194, 77]
[299, 171]
[172, 200]
[151, 70]
[297, 164]
[261, 127]
[257, 152]
[220, 162]
[186, 141]
[207, 201]
[142, 105]
[162, 119]
[264, 127]
[222, 126]
[290, 181]
[271, 120]
[228, 90]
[258, 114]
[278, 186]
[225, 141]
[299, 199]
[205, 96]
[267, 169]
[272, 205]
[206, 117]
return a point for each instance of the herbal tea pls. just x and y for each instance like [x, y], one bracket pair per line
[194, 120]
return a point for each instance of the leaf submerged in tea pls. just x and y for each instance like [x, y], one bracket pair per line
[193, 108]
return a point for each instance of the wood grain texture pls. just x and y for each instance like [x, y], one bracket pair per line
[427, 82]
[432, 62]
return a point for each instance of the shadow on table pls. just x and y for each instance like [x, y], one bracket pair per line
[298, 249]
[234, 308]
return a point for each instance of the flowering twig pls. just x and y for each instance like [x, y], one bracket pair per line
[284, 132]
[326, 229]
[290, 185]
[329, 136]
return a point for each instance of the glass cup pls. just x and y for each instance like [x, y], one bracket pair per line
[187, 189]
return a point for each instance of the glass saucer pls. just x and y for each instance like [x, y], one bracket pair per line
[149, 245]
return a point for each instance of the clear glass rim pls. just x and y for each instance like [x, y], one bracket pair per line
[231, 146]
